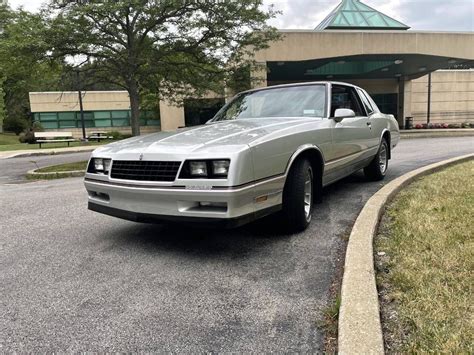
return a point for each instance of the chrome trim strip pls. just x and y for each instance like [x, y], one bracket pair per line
[236, 188]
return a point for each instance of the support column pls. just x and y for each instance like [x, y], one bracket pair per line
[258, 75]
[171, 116]
[404, 101]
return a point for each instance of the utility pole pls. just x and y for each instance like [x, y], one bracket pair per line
[428, 115]
[81, 107]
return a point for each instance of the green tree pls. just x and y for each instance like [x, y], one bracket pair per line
[23, 64]
[2, 105]
[169, 48]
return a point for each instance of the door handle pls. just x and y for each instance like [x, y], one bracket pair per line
[369, 124]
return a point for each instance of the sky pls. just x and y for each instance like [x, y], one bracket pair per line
[440, 15]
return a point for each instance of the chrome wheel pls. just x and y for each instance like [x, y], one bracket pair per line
[383, 157]
[308, 193]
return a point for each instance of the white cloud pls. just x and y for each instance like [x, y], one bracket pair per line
[443, 15]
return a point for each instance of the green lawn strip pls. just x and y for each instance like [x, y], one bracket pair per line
[82, 165]
[425, 261]
[8, 138]
[58, 171]
[9, 141]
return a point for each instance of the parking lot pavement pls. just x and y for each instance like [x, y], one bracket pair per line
[73, 280]
[13, 170]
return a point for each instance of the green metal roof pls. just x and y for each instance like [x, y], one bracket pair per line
[354, 15]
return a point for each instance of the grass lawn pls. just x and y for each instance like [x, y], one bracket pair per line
[425, 265]
[82, 165]
[9, 141]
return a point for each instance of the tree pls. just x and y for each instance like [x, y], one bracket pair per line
[24, 67]
[2, 105]
[168, 47]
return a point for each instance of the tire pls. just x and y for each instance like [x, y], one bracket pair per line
[377, 168]
[298, 196]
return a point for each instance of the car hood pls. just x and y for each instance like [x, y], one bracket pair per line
[224, 134]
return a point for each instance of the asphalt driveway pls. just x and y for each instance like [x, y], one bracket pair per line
[74, 280]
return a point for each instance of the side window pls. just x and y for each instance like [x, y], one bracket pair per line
[365, 102]
[346, 97]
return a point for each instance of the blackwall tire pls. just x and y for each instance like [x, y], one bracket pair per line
[377, 168]
[298, 196]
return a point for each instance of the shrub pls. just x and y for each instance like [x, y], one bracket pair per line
[444, 125]
[118, 136]
[15, 125]
[471, 124]
[115, 134]
[418, 126]
[37, 126]
[29, 135]
[465, 125]
[454, 125]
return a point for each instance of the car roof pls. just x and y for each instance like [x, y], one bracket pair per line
[302, 84]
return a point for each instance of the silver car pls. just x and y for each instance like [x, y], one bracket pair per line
[268, 150]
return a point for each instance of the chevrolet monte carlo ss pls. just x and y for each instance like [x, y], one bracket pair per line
[267, 150]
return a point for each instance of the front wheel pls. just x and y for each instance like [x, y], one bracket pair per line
[298, 196]
[378, 166]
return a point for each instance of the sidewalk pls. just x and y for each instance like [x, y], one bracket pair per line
[51, 151]
[439, 132]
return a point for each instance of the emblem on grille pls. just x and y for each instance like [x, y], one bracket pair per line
[140, 157]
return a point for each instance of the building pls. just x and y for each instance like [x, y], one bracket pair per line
[358, 44]
[103, 110]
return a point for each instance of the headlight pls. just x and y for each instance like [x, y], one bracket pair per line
[99, 166]
[205, 169]
[198, 168]
[220, 167]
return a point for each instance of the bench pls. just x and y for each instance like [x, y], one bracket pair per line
[98, 136]
[54, 137]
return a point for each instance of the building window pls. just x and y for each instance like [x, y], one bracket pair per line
[100, 119]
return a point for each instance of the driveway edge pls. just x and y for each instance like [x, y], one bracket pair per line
[34, 175]
[359, 329]
[436, 133]
[53, 151]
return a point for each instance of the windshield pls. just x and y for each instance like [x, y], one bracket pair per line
[292, 101]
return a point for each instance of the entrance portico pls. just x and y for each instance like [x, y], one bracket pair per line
[383, 62]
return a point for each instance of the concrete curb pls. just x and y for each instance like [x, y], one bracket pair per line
[436, 133]
[21, 154]
[360, 330]
[33, 175]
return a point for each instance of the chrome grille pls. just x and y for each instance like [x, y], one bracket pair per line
[145, 170]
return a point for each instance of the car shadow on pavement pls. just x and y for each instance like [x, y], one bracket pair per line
[199, 240]
[218, 241]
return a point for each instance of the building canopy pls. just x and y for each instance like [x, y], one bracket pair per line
[354, 15]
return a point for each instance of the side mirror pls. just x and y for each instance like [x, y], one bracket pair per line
[342, 113]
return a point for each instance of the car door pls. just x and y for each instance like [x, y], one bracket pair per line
[351, 136]
[376, 124]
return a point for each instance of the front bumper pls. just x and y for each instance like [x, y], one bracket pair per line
[202, 221]
[226, 206]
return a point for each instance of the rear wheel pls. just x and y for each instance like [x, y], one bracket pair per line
[298, 196]
[377, 168]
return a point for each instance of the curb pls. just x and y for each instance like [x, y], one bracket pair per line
[419, 133]
[359, 329]
[20, 154]
[33, 175]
